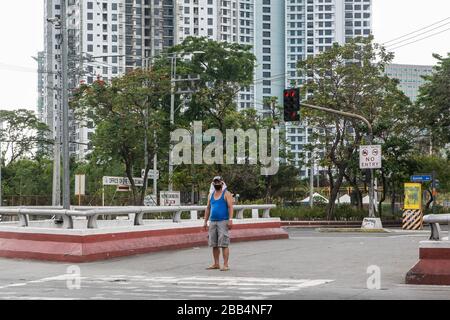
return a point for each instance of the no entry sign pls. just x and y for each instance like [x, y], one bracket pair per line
[370, 157]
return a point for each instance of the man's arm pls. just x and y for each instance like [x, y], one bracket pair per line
[230, 205]
[207, 213]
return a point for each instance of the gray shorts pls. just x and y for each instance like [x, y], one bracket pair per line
[218, 235]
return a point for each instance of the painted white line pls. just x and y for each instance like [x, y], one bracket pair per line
[183, 287]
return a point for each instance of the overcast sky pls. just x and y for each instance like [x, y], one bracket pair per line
[21, 37]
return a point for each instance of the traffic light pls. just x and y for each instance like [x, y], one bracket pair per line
[292, 105]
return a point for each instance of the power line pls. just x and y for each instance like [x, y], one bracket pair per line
[399, 42]
[431, 35]
[408, 34]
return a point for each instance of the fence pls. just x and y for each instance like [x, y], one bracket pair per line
[92, 214]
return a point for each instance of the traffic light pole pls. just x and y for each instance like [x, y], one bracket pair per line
[369, 126]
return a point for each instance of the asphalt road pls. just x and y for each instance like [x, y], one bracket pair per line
[310, 265]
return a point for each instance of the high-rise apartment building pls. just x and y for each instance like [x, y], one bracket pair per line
[312, 26]
[106, 39]
[111, 37]
[219, 20]
[409, 77]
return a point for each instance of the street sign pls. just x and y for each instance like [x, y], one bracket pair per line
[80, 185]
[169, 198]
[151, 174]
[121, 181]
[421, 178]
[413, 196]
[370, 157]
[150, 201]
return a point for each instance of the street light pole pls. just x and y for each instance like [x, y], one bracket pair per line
[172, 114]
[65, 106]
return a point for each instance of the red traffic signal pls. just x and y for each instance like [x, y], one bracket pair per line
[292, 105]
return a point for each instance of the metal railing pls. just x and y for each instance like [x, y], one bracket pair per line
[435, 221]
[92, 213]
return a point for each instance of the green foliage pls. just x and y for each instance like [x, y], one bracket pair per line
[28, 177]
[428, 164]
[433, 103]
[129, 117]
[21, 134]
[224, 68]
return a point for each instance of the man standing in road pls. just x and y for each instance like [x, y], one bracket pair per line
[220, 213]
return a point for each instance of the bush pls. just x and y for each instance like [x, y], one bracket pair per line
[299, 213]
[343, 212]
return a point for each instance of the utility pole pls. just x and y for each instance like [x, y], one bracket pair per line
[65, 106]
[56, 189]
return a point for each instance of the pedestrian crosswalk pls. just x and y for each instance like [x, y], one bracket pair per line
[169, 288]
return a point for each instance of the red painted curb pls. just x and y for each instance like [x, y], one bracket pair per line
[89, 248]
[433, 268]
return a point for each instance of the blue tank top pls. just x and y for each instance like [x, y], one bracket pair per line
[219, 208]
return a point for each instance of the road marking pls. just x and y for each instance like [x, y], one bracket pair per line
[173, 288]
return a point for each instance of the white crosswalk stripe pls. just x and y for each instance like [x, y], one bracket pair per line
[170, 288]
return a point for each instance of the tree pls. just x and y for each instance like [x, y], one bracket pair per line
[28, 177]
[347, 78]
[21, 134]
[224, 69]
[129, 115]
[433, 104]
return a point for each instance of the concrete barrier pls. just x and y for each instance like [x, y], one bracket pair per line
[114, 238]
[84, 238]
[433, 267]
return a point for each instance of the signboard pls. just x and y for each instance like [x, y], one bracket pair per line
[421, 178]
[150, 201]
[169, 198]
[80, 185]
[121, 181]
[151, 174]
[413, 196]
[370, 157]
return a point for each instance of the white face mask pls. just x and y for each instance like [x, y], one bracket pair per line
[212, 189]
